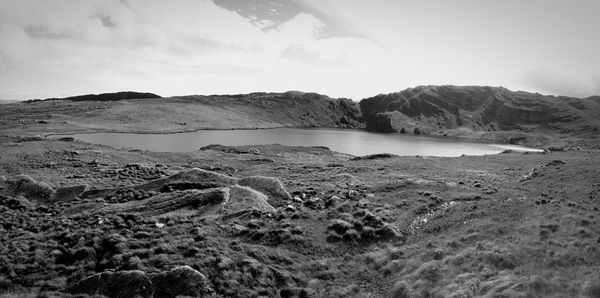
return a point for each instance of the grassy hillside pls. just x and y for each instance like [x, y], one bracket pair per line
[185, 113]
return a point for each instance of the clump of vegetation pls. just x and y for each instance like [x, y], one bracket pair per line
[361, 226]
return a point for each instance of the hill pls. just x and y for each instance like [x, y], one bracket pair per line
[441, 109]
[102, 113]
[105, 96]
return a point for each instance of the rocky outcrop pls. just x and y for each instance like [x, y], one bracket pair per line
[194, 191]
[197, 191]
[434, 109]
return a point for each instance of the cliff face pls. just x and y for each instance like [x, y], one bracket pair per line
[436, 109]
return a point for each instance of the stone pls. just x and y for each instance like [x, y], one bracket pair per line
[244, 198]
[277, 194]
[121, 284]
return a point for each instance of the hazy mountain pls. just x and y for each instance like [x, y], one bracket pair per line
[106, 96]
[434, 109]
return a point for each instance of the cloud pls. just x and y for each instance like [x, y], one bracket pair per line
[271, 15]
[559, 83]
[66, 46]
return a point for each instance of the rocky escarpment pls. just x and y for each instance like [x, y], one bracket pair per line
[436, 109]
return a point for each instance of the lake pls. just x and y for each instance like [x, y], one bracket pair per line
[350, 141]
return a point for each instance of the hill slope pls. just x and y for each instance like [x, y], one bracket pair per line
[185, 113]
[437, 109]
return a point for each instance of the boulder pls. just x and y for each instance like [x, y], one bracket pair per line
[121, 284]
[277, 195]
[180, 281]
[244, 198]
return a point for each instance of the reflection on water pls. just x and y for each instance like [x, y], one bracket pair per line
[351, 141]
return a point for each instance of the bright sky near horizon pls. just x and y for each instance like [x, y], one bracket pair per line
[342, 48]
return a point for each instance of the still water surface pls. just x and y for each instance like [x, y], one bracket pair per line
[351, 141]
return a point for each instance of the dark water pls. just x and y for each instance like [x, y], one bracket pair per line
[351, 141]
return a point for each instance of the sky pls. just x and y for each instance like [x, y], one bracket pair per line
[341, 48]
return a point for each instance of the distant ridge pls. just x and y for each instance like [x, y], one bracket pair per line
[105, 96]
[481, 112]
[437, 109]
